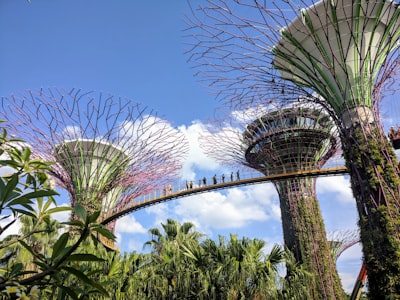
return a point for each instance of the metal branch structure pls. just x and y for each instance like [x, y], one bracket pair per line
[106, 150]
[279, 141]
[341, 54]
[342, 240]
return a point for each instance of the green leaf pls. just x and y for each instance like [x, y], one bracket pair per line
[93, 217]
[80, 211]
[43, 266]
[27, 247]
[62, 253]
[47, 204]
[16, 269]
[60, 245]
[7, 192]
[19, 201]
[26, 154]
[104, 232]
[40, 203]
[67, 291]
[40, 193]
[83, 257]
[85, 279]
[58, 209]
[24, 212]
[2, 187]
[73, 223]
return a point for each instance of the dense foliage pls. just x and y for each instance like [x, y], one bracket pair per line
[47, 259]
[34, 260]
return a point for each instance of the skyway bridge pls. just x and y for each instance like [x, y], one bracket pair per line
[182, 190]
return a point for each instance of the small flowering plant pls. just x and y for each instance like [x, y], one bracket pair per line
[26, 191]
[20, 292]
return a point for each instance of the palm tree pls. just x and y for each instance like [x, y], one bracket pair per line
[173, 232]
[172, 272]
[182, 267]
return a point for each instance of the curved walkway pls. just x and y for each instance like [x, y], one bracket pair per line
[183, 190]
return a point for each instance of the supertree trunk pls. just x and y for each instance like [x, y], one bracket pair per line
[339, 53]
[285, 140]
[375, 178]
[305, 235]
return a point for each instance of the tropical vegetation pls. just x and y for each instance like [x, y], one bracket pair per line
[48, 259]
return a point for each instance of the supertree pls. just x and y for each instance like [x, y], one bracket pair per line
[105, 150]
[341, 240]
[286, 140]
[341, 54]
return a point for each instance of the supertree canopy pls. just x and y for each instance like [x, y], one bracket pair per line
[341, 54]
[106, 150]
[286, 140]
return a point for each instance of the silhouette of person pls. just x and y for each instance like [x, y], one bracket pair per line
[205, 181]
[215, 179]
[231, 176]
[223, 178]
[237, 175]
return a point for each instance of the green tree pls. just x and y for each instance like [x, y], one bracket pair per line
[183, 267]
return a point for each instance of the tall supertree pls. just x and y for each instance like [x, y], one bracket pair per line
[286, 140]
[106, 150]
[341, 54]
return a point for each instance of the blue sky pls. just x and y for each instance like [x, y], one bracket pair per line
[135, 49]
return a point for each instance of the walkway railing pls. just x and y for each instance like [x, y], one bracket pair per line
[184, 189]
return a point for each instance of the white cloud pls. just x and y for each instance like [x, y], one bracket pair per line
[146, 132]
[128, 224]
[13, 229]
[134, 245]
[235, 209]
[339, 186]
[196, 157]
[72, 132]
[160, 212]
[127, 231]
[349, 265]
[62, 216]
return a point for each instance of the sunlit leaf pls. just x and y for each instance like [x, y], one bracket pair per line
[40, 193]
[59, 209]
[80, 211]
[93, 217]
[27, 247]
[74, 223]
